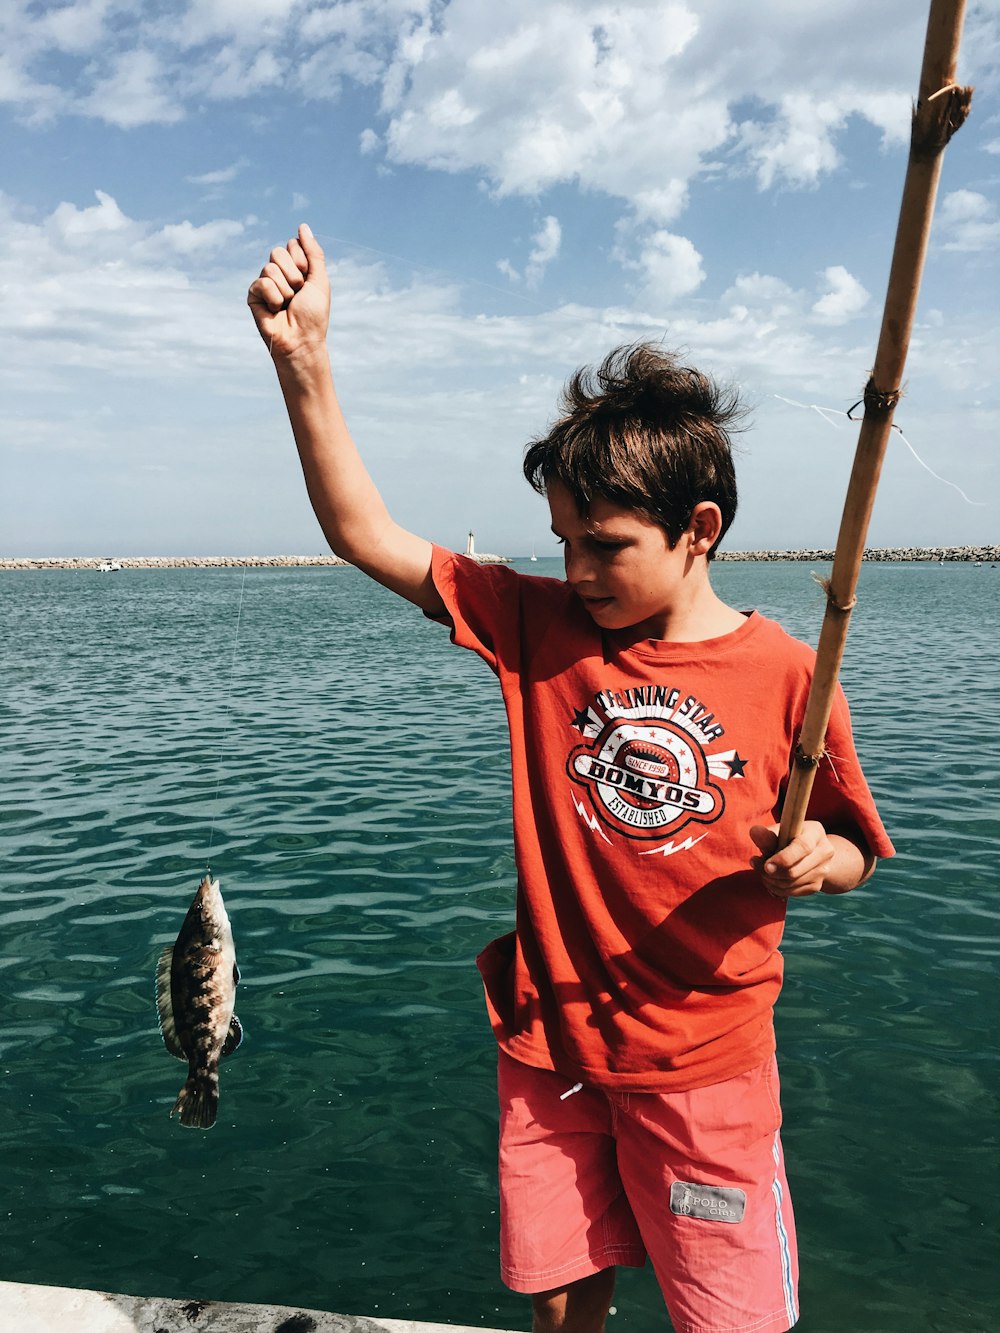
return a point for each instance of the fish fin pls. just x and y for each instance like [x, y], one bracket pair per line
[233, 1037]
[197, 1102]
[165, 1006]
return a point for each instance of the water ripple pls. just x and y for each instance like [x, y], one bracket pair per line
[359, 818]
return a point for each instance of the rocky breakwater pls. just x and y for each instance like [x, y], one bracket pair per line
[984, 555]
[172, 562]
[112, 564]
[969, 554]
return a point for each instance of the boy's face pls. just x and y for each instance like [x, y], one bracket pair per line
[620, 564]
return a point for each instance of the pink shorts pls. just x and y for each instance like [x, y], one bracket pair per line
[695, 1180]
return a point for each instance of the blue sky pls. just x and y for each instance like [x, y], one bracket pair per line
[505, 192]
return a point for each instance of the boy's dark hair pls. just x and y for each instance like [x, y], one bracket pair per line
[646, 433]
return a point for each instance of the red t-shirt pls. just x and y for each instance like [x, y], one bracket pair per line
[646, 949]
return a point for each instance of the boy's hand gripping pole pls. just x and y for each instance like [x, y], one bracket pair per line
[941, 109]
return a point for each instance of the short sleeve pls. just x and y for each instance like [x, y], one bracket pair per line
[482, 605]
[840, 796]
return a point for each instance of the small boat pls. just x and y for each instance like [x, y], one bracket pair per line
[109, 566]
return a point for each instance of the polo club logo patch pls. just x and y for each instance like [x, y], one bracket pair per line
[710, 1203]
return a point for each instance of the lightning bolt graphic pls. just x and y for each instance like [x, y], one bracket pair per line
[590, 820]
[668, 848]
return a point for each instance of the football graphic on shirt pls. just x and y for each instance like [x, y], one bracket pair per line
[646, 777]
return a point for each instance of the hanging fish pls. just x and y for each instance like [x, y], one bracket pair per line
[195, 993]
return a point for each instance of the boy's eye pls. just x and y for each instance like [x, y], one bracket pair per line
[596, 544]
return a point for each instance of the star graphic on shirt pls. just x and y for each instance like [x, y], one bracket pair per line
[582, 719]
[736, 765]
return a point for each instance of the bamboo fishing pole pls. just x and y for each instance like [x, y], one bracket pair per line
[941, 109]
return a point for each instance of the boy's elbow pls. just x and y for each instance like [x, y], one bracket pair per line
[857, 864]
[867, 871]
[871, 864]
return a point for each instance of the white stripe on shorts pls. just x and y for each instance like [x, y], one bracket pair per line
[791, 1307]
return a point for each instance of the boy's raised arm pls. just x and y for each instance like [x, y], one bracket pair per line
[290, 303]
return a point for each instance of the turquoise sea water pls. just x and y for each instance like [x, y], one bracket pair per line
[352, 788]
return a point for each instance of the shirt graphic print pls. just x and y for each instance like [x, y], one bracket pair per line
[645, 768]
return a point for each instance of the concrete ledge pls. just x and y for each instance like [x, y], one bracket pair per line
[36, 1309]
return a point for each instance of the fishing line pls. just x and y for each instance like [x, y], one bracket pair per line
[827, 413]
[227, 719]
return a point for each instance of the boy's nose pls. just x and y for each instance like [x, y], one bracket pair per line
[578, 568]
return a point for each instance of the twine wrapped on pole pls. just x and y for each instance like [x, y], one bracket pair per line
[941, 108]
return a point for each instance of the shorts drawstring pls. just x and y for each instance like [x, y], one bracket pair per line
[577, 1087]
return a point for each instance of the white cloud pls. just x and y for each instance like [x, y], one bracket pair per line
[634, 99]
[223, 176]
[797, 147]
[75, 225]
[547, 94]
[187, 241]
[122, 297]
[671, 268]
[76, 27]
[662, 204]
[36, 101]
[546, 242]
[135, 92]
[969, 221]
[759, 289]
[844, 298]
[322, 75]
[125, 297]
[252, 23]
[127, 313]
[117, 296]
[891, 112]
[339, 20]
[233, 73]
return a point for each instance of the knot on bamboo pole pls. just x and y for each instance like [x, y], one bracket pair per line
[804, 760]
[880, 402]
[936, 119]
[845, 608]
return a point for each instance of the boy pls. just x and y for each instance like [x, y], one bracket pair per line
[651, 727]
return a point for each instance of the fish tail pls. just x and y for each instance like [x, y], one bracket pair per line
[197, 1103]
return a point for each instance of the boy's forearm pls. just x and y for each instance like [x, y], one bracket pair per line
[852, 864]
[346, 501]
[290, 304]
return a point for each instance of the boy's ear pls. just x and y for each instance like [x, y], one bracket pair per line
[705, 526]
